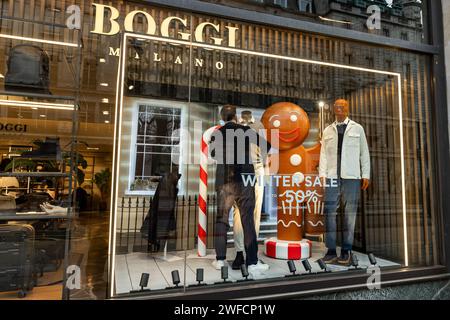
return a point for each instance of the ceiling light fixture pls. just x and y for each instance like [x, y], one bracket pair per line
[37, 105]
[105, 100]
[105, 113]
[104, 84]
[106, 121]
[59, 43]
[2, 76]
[102, 60]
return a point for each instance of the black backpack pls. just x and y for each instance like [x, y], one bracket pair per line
[28, 70]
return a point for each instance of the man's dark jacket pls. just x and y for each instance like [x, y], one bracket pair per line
[223, 146]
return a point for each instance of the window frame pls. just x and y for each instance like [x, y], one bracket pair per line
[133, 141]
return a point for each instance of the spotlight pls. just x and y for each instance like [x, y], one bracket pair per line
[354, 260]
[175, 278]
[372, 259]
[199, 276]
[142, 283]
[292, 268]
[244, 272]
[322, 265]
[224, 273]
[144, 280]
[307, 265]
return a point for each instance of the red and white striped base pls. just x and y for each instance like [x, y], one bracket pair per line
[288, 250]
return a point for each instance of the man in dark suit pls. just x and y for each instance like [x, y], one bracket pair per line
[235, 177]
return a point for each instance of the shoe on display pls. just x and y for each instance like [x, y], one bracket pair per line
[218, 264]
[330, 257]
[345, 259]
[238, 261]
[258, 267]
[54, 210]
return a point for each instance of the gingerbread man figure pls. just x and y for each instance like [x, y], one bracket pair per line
[299, 190]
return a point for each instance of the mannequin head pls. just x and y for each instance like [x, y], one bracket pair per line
[246, 117]
[341, 109]
[228, 113]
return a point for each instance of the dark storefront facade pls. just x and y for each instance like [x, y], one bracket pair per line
[114, 111]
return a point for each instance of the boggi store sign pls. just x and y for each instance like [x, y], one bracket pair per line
[110, 26]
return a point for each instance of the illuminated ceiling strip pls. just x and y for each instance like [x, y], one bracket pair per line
[333, 20]
[58, 43]
[402, 164]
[261, 54]
[116, 154]
[39, 105]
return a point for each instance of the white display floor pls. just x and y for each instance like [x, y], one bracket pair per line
[129, 267]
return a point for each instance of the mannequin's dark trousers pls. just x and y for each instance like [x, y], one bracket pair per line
[244, 197]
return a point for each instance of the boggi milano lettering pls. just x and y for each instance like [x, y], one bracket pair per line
[110, 26]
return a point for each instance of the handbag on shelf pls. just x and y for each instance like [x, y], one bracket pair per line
[7, 203]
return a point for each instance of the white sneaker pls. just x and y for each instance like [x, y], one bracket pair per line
[259, 267]
[218, 264]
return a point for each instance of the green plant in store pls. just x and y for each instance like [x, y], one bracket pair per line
[102, 180]
[79, 164]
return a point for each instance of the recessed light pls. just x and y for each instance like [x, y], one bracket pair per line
[42, 116]
[106, 112]
[34, 108]
[92, 148]
[130, 87]
[105, 100]
[104, 84]
[106, 121]
[102, 60]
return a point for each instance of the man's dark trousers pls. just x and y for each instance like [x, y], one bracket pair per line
[244, 197]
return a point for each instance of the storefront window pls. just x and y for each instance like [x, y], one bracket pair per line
[281, 81]
[122, 140]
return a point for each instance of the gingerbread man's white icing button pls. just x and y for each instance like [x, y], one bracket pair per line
[295, 160]
[298, 177]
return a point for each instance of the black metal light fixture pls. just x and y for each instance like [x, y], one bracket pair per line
[292, 268]
[244, 272]
[372, 259]
[323, 265]
[307, 265]
[143, 283]
[224, 273]
[199, 276]
[354, 261]
[175, 278]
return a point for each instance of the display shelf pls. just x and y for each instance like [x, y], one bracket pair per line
[33, 216]
[36, 95]
[35, 174]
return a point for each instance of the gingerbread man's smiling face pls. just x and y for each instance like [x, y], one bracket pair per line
[290, 121]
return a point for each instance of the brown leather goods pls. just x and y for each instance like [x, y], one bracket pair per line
[7, 203]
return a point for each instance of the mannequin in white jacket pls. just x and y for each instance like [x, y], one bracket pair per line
[345, 170]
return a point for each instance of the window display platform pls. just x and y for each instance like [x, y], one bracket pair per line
[129, 267]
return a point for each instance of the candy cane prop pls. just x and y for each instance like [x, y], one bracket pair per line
[203, 192]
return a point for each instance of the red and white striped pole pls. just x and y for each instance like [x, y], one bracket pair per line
[203, 192]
